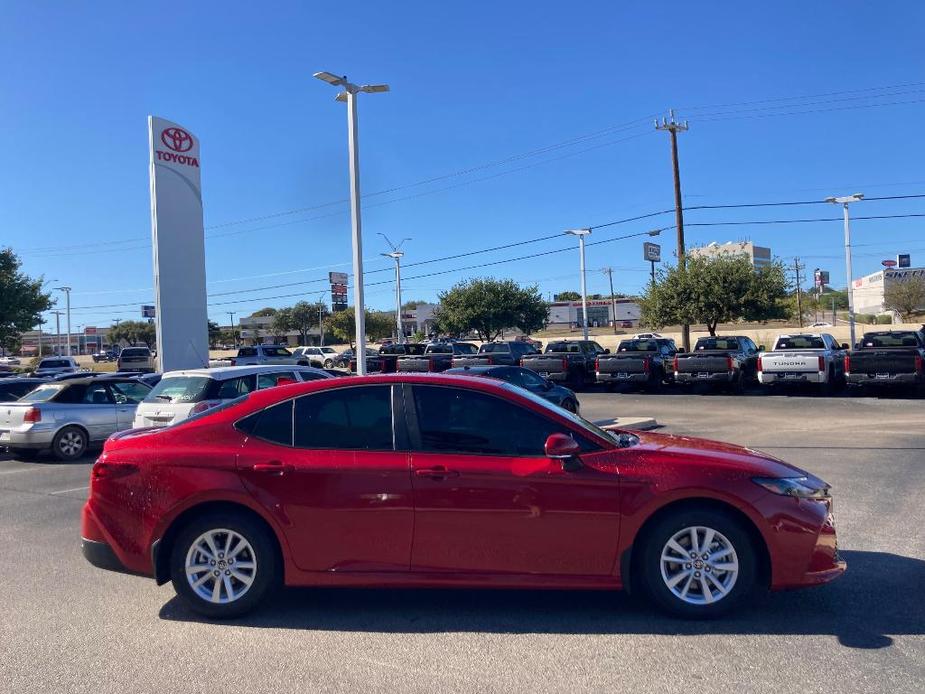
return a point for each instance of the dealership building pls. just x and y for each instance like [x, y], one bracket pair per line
[600, 313]
[758, 256]
[869, 291]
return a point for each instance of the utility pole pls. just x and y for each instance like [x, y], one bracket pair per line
[581, 233]
[844, 202]
[613, 301]
[67, 294]
[673, 127]
[58, 332]
[796, 269]
[231, 322]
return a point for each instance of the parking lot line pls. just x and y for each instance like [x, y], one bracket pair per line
[75, 489]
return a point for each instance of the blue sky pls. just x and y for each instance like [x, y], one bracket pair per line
[533, 117]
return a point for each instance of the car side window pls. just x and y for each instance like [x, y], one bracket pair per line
[528, 379]
[272, 379]
[96, 394]
[596, 348]
[236, 387]
[129, 393]
[454, 420]
[273, 424]
[352, 418]
[247, 352]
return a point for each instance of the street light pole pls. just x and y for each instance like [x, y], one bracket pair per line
[844, 202]
[57, 332]
[231, 323]
[67, 294]
[613, 301]
[581, 233]
[396, 254]
[321, 318]
[349, 95]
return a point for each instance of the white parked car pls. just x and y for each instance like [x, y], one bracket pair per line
[9, 361]
[266, 354]
[821, 325]
[647, 336]
[180, 394]
[52, 366]
[317, 356]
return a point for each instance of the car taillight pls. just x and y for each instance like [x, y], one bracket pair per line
[645, 365]
[110, 471]
[919, 364]
[822, 363]
[729, 365]
[521, 362]
[491, 361]
[565, 364]
[675, 364]
[431, 364]
[847, 364]
[32, 415]
[759, 366]
[234, 362]
[203, 406]
[597, 364]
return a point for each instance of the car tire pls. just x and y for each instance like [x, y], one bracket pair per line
[728, 573]
[210, 532]
[69, 444]
[738, 385]
[654, 384]
[328, 364]
[302, 362]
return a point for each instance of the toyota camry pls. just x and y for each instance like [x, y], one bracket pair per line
[438, 481]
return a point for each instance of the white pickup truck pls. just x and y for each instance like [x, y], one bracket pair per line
[804, 358]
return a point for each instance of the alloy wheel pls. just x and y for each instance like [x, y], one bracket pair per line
[699, 565]
[71, 444]
[221, 566]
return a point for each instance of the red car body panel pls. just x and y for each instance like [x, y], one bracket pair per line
[411, 518]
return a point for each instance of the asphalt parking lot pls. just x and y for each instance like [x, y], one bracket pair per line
[69, 627]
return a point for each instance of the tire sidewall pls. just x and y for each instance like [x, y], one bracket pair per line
[268, 572]
[56, 444]
[650, 562]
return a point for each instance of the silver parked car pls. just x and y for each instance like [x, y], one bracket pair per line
[52, 366]
[66, 417]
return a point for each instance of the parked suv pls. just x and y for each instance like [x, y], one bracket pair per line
[267, 354]
[137, 359]
[52, 366]
[320, 357]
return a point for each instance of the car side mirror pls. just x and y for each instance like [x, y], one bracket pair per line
[680, 350]
[563, 448]
[760, 348]
[844, 345]
[606, 351]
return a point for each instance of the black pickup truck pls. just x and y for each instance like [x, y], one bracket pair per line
[730, 361]
[390, 354]
[436, 357]
[567, 361]
[647, 363]
[888, 358]
[507, 353]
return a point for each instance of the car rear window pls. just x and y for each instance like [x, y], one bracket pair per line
[135, 352]
[43, 393]
[563, 347]
[495, 347]
[716, 343]
[277, 352]
[439, 349]
[638, 346]
[464, 348]
[54, 363]
[800, 342]
[890, 340]
[177, 389]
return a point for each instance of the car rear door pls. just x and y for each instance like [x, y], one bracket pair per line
[328, 464]
[487, 500]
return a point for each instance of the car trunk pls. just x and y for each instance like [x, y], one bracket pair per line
[545, 364]
[791, 362]
[483, 359]
[155, 414]
[12, 415]
[624, 363]
[882, 361]
[703, 362]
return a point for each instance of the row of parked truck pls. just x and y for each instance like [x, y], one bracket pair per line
[881, 358]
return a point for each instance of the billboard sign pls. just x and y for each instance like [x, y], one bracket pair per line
[820, 277]
[178, 246]
[652, 252]
[337, 277]
[338, 282]
[888, 263]
[903, 260]
[90, 330]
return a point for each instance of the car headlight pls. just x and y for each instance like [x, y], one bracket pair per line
[793, 486]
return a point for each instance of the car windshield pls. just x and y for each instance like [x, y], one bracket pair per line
[563, 347]
[638, 346]
[53, 363]
[180, 389]
[800, 342]
[439, 349]
[277, 352]
[42, 393]
[329, 350]
[720, 343]
[621, 439]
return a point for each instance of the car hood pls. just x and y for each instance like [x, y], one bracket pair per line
[717, 455]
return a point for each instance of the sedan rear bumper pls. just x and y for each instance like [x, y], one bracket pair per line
[101, 555]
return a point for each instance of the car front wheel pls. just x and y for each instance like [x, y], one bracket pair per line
[328, 364]
[698, 563]
[223, 565]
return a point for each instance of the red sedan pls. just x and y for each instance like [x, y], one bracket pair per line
[434, 480]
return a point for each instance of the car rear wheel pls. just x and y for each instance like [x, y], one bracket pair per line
[223, 565]
[698, 563]
[69, 444]
[328, 364]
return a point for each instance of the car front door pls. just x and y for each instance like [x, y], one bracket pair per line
[97, 412]
[488, 500]
[127, 395]
[327, 464]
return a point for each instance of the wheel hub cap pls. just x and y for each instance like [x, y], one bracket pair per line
[699, 565]
[221, 566]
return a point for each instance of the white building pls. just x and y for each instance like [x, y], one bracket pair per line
[254, 330]
[600, 313]
[758, 256]
[419, 319]
[869, 290]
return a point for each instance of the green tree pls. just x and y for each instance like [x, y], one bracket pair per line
[215, 333]
[412, 304]
[304, 317]
[21, 299]
[133, 332]
[906, 297]
[282, 323]
[264, 312]
[342, 324]
[488, 306]
[567, 296]
[715, 290]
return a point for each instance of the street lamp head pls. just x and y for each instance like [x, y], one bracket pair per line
[578, 232]
[394, 255]
[654, 232]
[330, 78]
[374, 88]
[844, 200]
[342, 97]
[62, 289]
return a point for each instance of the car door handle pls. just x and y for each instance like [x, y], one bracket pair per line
[274, 468]
[439, 472]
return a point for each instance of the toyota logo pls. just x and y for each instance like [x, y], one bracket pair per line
[177, 139]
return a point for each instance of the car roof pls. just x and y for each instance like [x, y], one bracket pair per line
[478, 369]
[221, 373]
